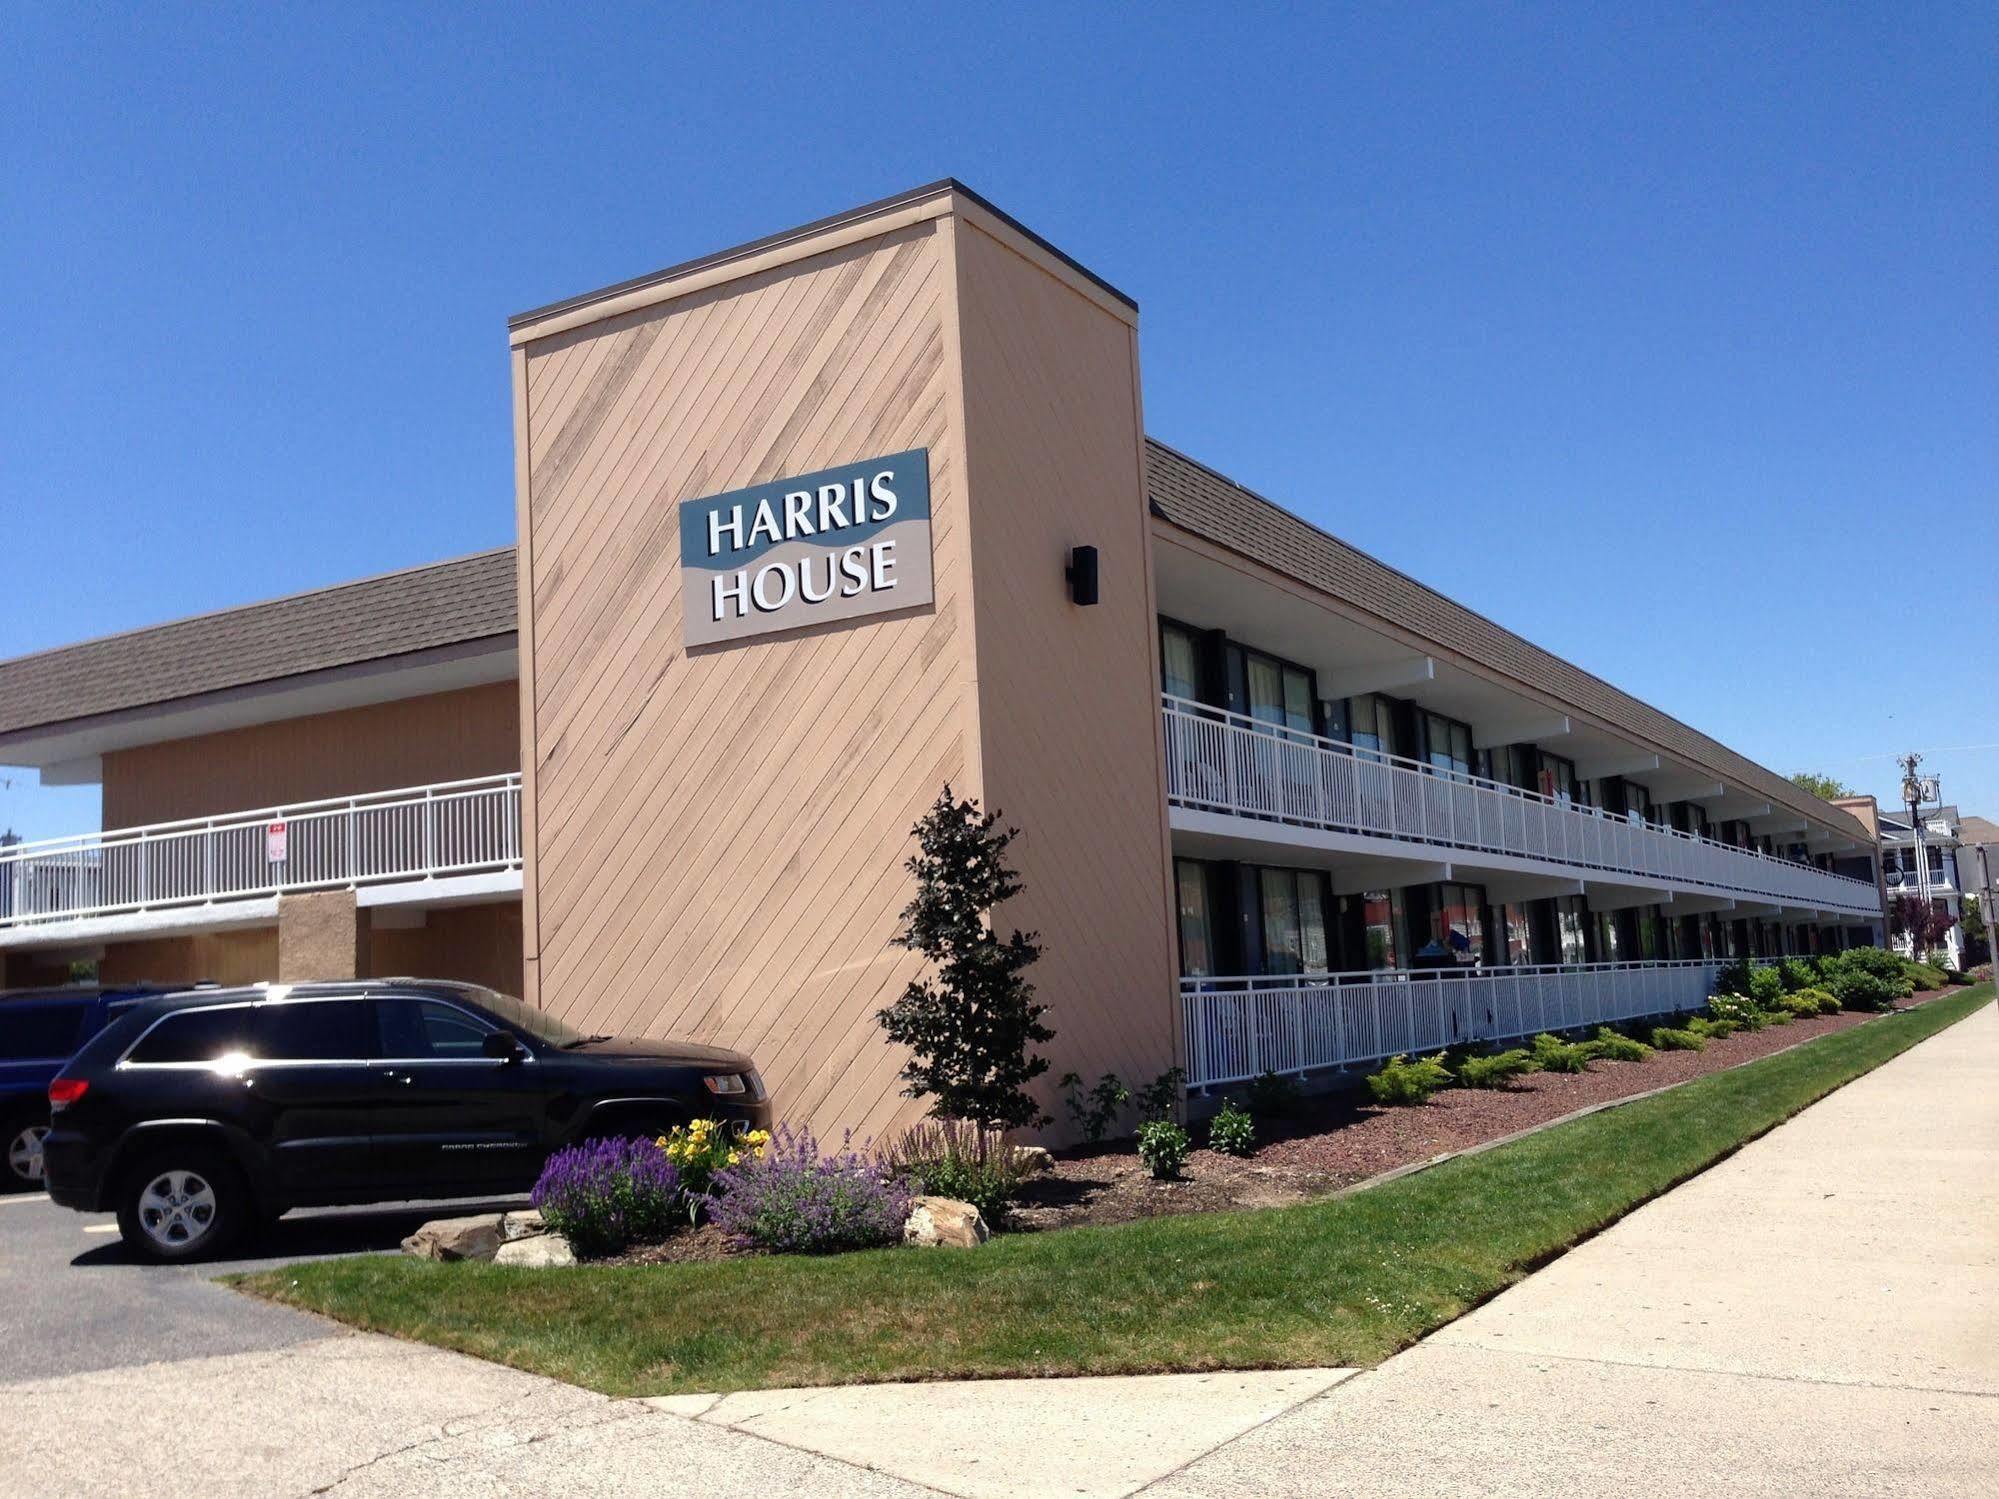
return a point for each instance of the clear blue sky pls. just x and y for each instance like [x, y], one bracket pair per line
[1655, 337]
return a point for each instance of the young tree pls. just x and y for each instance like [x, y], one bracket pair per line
[1925, 924]
[1823, 787]
[970, 1024]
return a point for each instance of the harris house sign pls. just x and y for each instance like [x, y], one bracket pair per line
[840, 544]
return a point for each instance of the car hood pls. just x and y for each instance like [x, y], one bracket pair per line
[685, 1053]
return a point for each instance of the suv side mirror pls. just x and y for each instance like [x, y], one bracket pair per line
[502, 1047]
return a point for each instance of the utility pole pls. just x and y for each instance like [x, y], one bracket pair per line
[1917, 789]
[1985, 907]
[1912, 796]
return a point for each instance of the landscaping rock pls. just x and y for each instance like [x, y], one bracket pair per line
[475, 1238]
[1034, 1157]
[525, 1224]
[944, 1222]
[538, 1251]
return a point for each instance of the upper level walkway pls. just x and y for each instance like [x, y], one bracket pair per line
[457, 839]
[1225, 767]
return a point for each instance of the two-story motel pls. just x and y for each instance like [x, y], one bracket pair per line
[808, 529]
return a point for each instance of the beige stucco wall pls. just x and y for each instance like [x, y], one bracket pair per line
[321, 935]
[716, 840]
[1068, 700]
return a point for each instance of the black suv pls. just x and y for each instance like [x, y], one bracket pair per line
[40, 1029]
[194, 1115]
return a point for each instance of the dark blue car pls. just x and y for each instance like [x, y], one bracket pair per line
[40, 1029]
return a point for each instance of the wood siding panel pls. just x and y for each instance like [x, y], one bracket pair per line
[445, 736]
[1068, 696]
[473, 944]
[240, 957]
[717, 842]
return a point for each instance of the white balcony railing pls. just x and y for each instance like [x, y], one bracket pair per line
[1904, 882]
[459, 827]
[1224, 762]
[1235, 1029]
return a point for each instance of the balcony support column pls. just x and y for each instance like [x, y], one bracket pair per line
[321, 935]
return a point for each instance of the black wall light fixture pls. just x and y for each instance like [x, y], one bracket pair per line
[1082, 575]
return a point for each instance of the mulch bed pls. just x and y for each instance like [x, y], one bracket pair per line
[1342, 1139]
[1338, 1140]
[706, 1242]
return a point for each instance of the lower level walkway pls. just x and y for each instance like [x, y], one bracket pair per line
[1818, 1315]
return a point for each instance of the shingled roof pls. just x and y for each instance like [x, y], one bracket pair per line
[371, 619]
[1197, 499]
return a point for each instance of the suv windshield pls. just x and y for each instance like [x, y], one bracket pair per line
[523, 1016]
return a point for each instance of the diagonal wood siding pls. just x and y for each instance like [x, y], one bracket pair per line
[717, 838]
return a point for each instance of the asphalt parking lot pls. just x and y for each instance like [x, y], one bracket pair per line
[73, 1299]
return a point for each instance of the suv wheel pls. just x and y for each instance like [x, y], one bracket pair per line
[182, 1205]
[24, 1152]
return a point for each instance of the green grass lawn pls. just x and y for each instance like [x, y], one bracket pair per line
[1344, 1281]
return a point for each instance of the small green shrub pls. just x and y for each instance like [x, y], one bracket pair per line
[956, 1158]
[1670, 1038]
[1493, 1070]
[1923, 976]
[1860, 989]
[1766, 986]
[1159, 1098]
[1552, 1054]
[1798, 973]
[1274, 1097]
[1801, 1004]
[1875, 960]
[1096, 1111]
[1401, 1081]
[1734, 979]
[1828, 1002]
[1720, 1030]
[1231, 1131]
[1740, 1009]
[1163, 1146]
[1609, 1046]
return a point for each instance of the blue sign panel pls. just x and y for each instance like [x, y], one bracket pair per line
[840, 544]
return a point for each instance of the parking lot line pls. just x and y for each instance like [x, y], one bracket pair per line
[32, 1197]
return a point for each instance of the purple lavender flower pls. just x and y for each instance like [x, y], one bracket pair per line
[605, 1195]
[792, 1198]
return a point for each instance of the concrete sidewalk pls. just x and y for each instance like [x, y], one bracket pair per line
[1817, 1315]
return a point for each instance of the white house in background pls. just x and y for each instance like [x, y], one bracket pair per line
[1931, 874]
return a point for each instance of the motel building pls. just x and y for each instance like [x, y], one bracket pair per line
[807, 530]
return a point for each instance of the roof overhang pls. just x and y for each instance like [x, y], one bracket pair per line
[70, 752]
